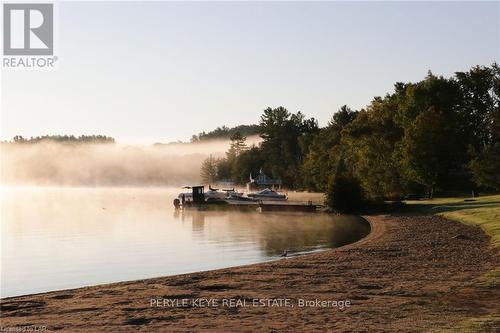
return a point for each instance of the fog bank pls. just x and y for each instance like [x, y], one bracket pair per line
[49, 163]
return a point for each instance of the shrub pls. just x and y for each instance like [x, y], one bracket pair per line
[345, 195]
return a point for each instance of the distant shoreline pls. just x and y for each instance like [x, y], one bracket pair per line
[410, 272]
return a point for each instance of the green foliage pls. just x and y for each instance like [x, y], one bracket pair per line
[439, 134]
[343, 117]
[237, 146]
[479, 93]
[482, 86]
[227, 167]
[370, 142]
[284, 141]
[321, 159]
[324, 151]
[249, 161]
[486, 167]
[225, 132]
[429, 151]
[344, 194]
[433, 150]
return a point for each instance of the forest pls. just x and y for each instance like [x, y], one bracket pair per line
[64, 139]
[224, 132]
[439, 135]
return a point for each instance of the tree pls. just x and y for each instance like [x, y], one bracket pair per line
[343, 117]
[324, 151]
[435, 134]
[224, 132]
[370, 141]
[281, 147]
[93, 139]
[481, 107]
[429, 149]
[19, 139]
[344, 194]
[486, 167]
[250, 161]
[208, 171]
[321, 159]
[223, 169]
[434, 149]
[478, 103]
[237, 145]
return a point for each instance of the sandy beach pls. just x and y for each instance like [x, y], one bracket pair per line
[411, 274]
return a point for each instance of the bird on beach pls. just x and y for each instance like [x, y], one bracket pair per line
[285, 253]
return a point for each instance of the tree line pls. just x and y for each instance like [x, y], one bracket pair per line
[436, 135]
[224, 132]
[64, 139]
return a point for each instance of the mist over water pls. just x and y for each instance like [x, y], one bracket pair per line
[74, 215]
[57, 238]
[52, 164]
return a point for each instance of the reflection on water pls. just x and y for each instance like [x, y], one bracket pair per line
[64, 238]
[275, 232]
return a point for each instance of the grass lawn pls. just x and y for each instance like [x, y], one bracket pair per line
[485, 212]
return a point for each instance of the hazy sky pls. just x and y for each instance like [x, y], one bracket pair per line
[146, 72]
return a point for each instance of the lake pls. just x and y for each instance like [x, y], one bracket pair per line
[59, 238]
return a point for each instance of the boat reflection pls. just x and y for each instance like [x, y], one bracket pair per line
[276, 232]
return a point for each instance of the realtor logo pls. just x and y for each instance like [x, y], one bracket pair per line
[28, 29]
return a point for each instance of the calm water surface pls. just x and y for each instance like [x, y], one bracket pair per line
[65, 238]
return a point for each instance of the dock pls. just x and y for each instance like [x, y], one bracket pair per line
[287, 207]
[198, 200]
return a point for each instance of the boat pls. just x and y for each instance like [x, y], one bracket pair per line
[196, 200]
[232, 192]
[268, 195]
[239, 199]
[186, 196]
[199, 198]
[214, 194]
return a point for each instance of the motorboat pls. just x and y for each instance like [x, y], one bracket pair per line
[268, 195]
[240, 199]
[232, 193]
[214, 194]
[188, 196]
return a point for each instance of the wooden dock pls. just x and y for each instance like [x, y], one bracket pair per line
[261, 206]
[287, 207]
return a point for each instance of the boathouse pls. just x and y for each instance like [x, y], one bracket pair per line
[263, 181]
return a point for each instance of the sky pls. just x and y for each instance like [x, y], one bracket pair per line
[146, 72]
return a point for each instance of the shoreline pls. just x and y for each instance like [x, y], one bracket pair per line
[195, 272]
[408, 273]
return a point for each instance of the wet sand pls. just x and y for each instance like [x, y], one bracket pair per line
[411, 274]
